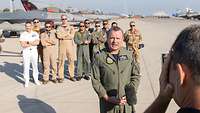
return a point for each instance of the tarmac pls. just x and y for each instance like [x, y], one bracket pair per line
[79, 97]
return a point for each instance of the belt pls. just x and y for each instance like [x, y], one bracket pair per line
[30, 49]
[65, 39]
[49, 46]
[130, 44]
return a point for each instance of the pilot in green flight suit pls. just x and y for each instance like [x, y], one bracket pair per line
[98, 39]
[82, 39]
[116, 76]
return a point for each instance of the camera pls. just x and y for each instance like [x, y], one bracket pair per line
[164, 57]
[141, 46]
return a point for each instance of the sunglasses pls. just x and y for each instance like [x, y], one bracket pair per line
[48, 26]
[64, 19]
[132, 25]
[105, 23]
[82, 26]
[36, 22]
[97, 25]
[87, 23]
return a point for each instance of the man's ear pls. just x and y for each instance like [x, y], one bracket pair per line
[183, 72]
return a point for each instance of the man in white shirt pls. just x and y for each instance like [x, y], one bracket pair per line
[29, 41]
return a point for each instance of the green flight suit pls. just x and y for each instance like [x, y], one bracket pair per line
[116, 77]
[98, 39]
[83, 56]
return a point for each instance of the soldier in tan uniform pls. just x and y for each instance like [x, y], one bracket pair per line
[48, 40]
[65, 34]
[133, 37]
[2, 39]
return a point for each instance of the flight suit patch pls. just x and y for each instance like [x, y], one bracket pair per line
[123, 57]
[109, 60]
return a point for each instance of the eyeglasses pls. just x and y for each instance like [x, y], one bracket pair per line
[105, 23]
[36, 22]
[132, 25]
[82, 26]
[97, 25]
[48, 26]
[64, 19]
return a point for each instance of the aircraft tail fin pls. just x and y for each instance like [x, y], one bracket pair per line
[28, 6]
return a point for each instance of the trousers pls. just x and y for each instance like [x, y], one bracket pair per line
[66, 50]
[49, 60]
[30, 56]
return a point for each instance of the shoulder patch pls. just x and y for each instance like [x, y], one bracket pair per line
[33, 35]
[109, 60]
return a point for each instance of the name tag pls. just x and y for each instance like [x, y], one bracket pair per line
[123, 57]
[34, 35]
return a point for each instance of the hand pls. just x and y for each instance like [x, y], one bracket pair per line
[27, 44]
[47, 44]
[166, 89]
[94, 41]
[123, 100]
[87, 42]
[112, 99]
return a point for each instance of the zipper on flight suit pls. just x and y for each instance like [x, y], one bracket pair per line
[118, 75]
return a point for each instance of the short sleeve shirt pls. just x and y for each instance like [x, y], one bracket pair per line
[32, 36]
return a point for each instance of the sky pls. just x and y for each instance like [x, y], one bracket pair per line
[142, 7]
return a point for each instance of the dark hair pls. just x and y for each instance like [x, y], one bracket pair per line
[105, 21]
[114, 23]
[115, 28]
[186, 50]
[86, 20]
[132, 22]
[28, 22]
[81, 22]
[35, 19]
[47, 22]
[97, 22]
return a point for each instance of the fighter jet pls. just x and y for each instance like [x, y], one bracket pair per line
[32, 11]
[187, 14]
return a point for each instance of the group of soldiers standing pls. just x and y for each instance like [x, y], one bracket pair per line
[100, 53]
[89, 41]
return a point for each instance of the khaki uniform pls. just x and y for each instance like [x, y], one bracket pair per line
[98, 39]
[2, 39]
[83, 56]
[39, 47]
[116, 77]
[132, 39]
[48, 40]
[66, 44]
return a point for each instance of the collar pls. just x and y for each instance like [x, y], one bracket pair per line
[188, 110]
